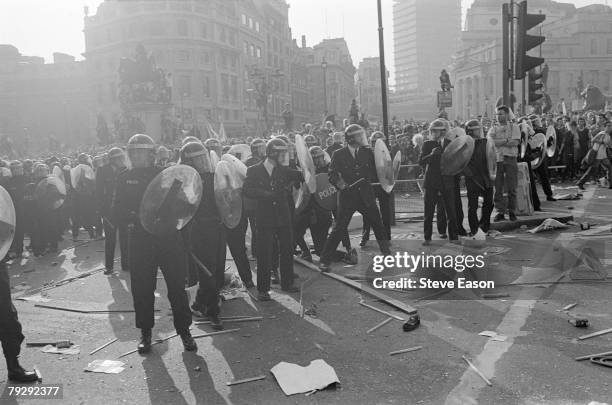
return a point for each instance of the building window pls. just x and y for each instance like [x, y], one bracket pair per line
[181, 28]
[243, 19]
[593, 46]
[155, 28]
[232, 38]
[250, 23]
[234, 88]
[184, 85]
[251, 50]
[258, 52]
[182, 56]
[257, 26]
[206, 87]
[609, 46]
[205, 58]
[222, 35]
[246, 48]
[203, 30]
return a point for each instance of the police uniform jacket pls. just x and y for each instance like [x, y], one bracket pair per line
[272, 193]
[477, 170]
[106, 178]
[431, 163]
[344, 166]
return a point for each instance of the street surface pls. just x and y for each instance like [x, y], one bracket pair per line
[533, 365]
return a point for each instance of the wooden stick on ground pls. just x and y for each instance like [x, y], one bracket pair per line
[473, 367]
[599, 333]
[246, 380]
[380, 325]
[255, 318]
[412, 349]
[361, 287]
[399, 318]
[587, 357]
[570, 306]
[103, 346]
[215, 333]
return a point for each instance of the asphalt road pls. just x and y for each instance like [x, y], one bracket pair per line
[532, 362]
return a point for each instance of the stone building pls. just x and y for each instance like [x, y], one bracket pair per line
[44, 105]
[578, 44]
[368, 89]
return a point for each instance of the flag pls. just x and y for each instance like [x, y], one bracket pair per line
[222, 137]
[211, 132]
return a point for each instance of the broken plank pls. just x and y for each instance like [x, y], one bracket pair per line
[399, 318]
[473, 367]
[594, 334]
[215, 333]
[367, 290]
[246, 380]
[103, 346]
[589, 356]
[570, 306]
[380, 325]
[255, 318]
[412, 349]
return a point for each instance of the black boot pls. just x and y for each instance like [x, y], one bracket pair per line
[215, 321]
[145, 341]
[16, 373]
[188, 341]
[384, 246]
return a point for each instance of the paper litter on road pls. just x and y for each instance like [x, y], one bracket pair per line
[295, 379]
[105, 366]
[496, 250]
[34, 298]
[568, 197]
[547, 225]
[55, 350]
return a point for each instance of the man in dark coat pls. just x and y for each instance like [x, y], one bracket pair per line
[478, 181]
[352, 170]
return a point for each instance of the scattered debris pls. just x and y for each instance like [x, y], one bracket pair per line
[105, 366]
[568, 196]
[64, 350]
[197, 368]
[570, 306]
[103, 346]
[34, 298]
[594, 334]
[495, 250]
[548, 225]
[60, 344]
[585, 226]
[602, 361]
[494, 335]
[579, 323]
[255, 318]
[312, 311]
[412, 349]
[246, 380]
[590, 356]
[399, 318]
[412, 323]
[215, 333]
[473, 367]
[294, 379]
[380, 325]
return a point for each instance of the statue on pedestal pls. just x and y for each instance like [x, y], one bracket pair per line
[445, 83]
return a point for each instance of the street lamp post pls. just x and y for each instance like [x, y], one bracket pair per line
[324, 67]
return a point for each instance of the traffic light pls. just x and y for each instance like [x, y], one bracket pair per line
[526, 42]
[534, 86]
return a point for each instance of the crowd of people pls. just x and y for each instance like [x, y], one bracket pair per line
[102, 195]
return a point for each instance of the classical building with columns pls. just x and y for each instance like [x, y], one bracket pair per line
[578, 44]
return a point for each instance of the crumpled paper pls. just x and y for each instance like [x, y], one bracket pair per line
[66, 350]
[295, 379]
[105, 366]
[548, 225]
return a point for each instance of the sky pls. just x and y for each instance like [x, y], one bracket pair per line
[41, 27]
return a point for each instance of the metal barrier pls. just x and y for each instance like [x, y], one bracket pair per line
[408, 192]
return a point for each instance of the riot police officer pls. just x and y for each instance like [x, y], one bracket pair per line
[351, 171]
[147, 251]
[206, 235]
[269, 182]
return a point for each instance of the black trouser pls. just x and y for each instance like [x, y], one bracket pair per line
[570, 167]
[318, 222]
[543, 175]
[346, 209]
[17, 245]
[383, 201]
[45, 232]
[269, 238]
[10, 328]
[344, 236]
[473, 192]
[435, 197]
[535, 199]
[208, 244]
[236, 241]
[592, 170]
[110, 241]
[253, 224]
[147, 254]
[458, 204]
